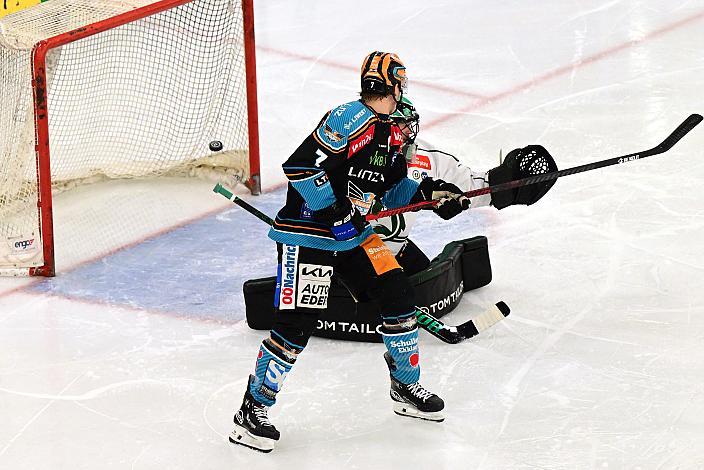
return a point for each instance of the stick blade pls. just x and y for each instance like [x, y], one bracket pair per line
[484, 321]
[503, 308]
[682, 130]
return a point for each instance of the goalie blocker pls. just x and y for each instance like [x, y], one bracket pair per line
[462, 266]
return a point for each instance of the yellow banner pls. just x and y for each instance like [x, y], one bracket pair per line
[11, 6]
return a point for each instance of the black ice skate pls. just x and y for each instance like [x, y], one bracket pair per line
[413, 400]
[252, 426]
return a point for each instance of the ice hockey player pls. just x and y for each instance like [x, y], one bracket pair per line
[427, 162]
[394, 231]
[348, 162]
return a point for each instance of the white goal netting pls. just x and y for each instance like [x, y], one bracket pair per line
[139, 100]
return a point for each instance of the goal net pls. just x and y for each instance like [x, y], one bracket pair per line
[103, 89]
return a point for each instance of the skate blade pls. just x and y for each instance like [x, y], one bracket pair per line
[404, 409]
[244, 438]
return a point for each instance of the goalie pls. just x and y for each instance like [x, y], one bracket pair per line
[462, 266]
[425, 162]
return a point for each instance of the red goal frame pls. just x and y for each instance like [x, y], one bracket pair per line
[41, 111]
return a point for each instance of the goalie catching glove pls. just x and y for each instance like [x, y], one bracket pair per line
[518, 164]
[450, 199]
[344, 219]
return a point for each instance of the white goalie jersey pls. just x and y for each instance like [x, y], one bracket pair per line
[424, 162]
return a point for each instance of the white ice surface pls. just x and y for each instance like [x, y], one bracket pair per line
[600, 364]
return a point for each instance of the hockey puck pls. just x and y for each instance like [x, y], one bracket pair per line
[215, 145]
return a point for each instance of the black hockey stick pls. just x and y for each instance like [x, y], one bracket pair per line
[220, 189]
[682, 130]
[448, 334]
[455, 334]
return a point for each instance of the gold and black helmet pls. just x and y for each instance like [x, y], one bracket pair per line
[381, 71]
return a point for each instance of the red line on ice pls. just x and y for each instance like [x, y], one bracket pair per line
[564, 70]
[336, 65]
[479, 100]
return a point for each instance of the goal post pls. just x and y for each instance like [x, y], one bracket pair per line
[103, 89]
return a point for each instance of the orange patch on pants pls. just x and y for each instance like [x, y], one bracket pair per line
[379, 254]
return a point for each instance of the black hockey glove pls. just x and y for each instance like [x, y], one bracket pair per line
[452, 201]
[344, 219]
[522, 163]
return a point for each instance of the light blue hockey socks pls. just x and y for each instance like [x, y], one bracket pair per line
[269, 373]
[403, 351]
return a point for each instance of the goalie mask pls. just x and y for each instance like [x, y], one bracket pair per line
[407, 118]
[381, 72]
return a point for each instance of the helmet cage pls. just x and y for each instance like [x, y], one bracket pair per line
[412, 130]
[406, 114]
